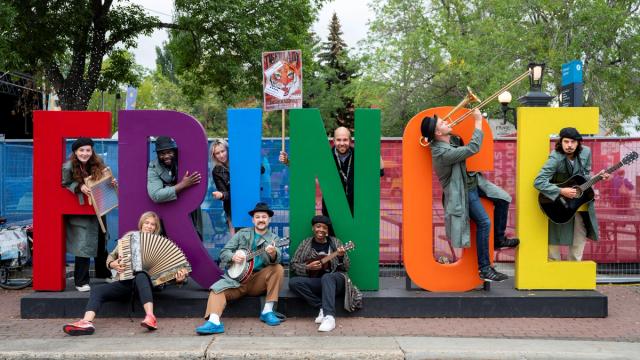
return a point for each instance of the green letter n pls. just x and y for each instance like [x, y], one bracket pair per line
[311, 158]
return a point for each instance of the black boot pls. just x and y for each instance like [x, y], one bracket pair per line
[506, 243]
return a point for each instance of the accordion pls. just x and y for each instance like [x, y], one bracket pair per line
[161, 258]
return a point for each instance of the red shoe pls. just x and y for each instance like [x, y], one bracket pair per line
[150, 322]
[80, 327]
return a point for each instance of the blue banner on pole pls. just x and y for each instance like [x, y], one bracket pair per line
[132, 94]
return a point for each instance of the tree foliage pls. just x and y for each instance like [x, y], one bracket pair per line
[422, 54]
[328, 80]
[67, 41]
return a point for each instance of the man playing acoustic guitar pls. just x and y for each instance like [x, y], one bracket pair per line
[266, 277]
[317, 281]
[568, 158]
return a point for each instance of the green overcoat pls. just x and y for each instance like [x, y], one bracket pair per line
[243, 240]
[158, 178]
[558, 169]
[450, 166]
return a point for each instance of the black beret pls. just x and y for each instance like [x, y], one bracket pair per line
[80, 142]
[570, 133]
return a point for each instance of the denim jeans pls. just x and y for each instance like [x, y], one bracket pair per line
[500, 215]
[483, 226]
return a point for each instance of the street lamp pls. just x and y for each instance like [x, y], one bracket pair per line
[504, 99]
[535, 96]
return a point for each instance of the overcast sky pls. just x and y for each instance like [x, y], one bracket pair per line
[353, 16]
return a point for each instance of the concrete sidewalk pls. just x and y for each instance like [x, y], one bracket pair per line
[314, 347]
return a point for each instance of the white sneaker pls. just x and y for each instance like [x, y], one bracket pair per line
[328, 324]
[83, 288]
[320, 317]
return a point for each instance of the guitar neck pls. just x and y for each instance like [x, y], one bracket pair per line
[329, 257]
[597, 178]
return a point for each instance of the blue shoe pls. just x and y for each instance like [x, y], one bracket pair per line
[209, 328]
[270, 319]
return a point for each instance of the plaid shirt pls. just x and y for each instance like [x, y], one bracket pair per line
[305, 252]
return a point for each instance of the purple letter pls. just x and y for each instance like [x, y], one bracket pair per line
[135, 128]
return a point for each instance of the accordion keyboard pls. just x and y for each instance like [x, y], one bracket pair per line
[124, 253]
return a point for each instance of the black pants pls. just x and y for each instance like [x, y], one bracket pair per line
[319, 292]
[120, 290]
[82, 264]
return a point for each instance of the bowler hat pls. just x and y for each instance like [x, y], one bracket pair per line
[80, 142]
[428, 127]
[165, 143]
[261, 207]
[320, 219]
[571, 133]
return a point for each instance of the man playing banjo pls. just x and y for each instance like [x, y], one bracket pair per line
[266, 277]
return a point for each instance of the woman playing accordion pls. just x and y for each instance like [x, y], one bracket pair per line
[121, 290]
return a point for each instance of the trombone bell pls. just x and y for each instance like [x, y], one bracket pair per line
[470, 97]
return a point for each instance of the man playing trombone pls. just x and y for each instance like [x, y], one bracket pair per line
[461, 196]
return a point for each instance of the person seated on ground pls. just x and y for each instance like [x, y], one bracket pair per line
[122, 290]
[317, 285]
[266, 277]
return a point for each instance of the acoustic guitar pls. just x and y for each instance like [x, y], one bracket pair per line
[240, 272]
[562, 209]
[325, 260]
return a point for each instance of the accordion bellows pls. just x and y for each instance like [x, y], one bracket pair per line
[161, 258]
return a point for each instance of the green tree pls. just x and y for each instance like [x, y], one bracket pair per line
[226, 39]
[433, 50]
[336, 70]
[68, 40]
[120, 68]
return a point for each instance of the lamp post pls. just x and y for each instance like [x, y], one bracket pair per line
[504, 99]
[535, 96]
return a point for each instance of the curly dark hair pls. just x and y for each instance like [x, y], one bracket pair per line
[94, 167]
[561, 151]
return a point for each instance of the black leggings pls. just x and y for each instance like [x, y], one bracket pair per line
[120, 290]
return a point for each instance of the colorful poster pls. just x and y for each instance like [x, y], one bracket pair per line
[282, 79]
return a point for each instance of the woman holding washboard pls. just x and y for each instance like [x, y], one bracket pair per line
[83, 236]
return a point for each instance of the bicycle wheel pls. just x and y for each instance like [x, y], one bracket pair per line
[14, 279]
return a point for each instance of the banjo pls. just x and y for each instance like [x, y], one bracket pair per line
[240, 272]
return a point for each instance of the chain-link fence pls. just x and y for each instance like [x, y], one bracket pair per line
[617, 201]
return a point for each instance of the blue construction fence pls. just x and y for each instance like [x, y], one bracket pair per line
[16, 195]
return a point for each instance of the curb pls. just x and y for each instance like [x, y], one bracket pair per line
[313, 347]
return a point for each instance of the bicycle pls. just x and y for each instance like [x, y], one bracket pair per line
[15, 255]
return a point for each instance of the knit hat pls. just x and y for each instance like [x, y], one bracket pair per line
[320, 219]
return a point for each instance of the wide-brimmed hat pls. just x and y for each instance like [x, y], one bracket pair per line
[165, 143]
[80, 142]
[428, 127]
[570, 133]
[320, 219]
[261, 207]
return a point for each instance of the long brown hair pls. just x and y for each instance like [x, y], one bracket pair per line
[94, 167]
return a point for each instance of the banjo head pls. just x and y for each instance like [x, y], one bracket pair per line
[236, 271]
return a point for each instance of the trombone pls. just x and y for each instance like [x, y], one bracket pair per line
[468, 99]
